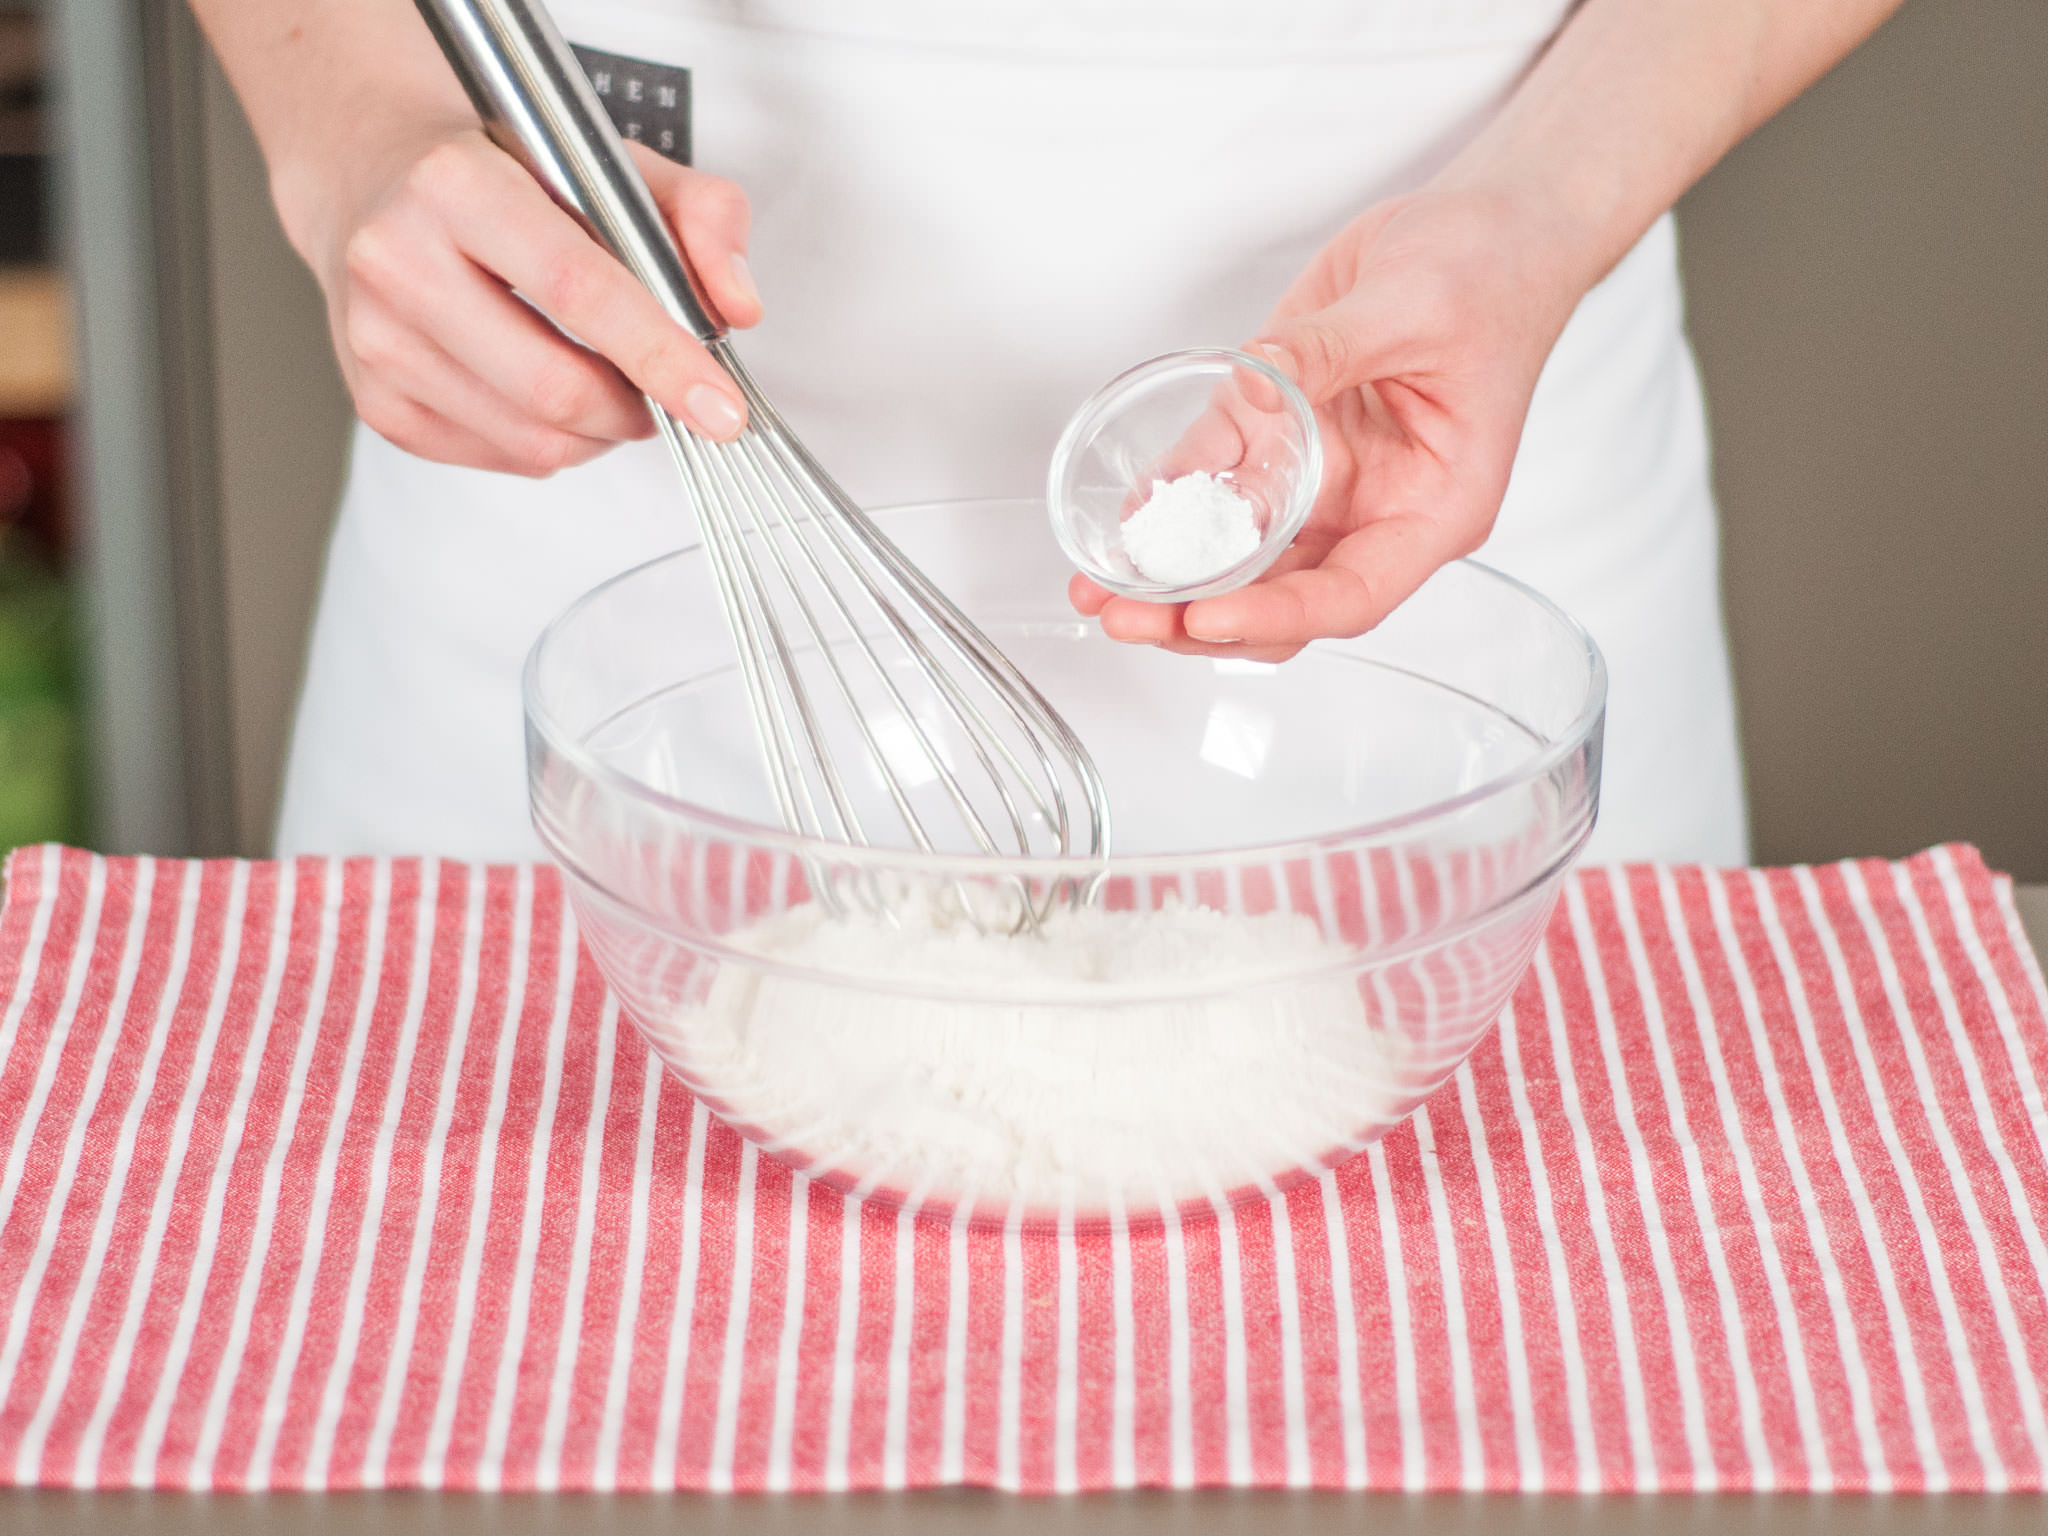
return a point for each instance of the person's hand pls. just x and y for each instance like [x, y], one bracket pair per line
[1417, 334]
[442, 281]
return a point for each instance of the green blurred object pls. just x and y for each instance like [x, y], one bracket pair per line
[41, 797]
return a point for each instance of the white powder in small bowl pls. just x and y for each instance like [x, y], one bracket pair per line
[1048, 1077]
[1190, 529]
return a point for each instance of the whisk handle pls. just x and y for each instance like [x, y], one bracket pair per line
[538, 105]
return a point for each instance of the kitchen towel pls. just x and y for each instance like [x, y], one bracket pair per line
[348, 1173]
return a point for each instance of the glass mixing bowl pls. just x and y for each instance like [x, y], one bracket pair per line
[1346, 861]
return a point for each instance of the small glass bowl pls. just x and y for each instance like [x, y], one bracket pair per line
[1211, 408]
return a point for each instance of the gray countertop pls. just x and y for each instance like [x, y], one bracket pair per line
[961, 1511]
[2033, 905]
[46, 1513]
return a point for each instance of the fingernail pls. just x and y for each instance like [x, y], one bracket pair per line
[744, 276]
[1197, 626]
[1278, 357]
[711, 412]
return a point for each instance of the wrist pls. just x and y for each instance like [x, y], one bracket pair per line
[1520, 246]
[341, 98]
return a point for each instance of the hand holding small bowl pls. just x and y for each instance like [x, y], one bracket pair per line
[1417, 336]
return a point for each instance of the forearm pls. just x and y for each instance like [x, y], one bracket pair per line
[340, 93]
[1633, 102]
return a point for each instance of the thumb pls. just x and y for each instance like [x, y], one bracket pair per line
[1326, 352]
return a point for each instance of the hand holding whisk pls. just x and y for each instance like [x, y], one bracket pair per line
[883, 715]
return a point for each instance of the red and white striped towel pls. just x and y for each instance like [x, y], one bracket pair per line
[347, 1173]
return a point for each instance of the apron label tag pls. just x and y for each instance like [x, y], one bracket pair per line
[648, 103]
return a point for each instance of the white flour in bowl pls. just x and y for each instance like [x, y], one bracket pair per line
[1189, 529]
[1046, 1078]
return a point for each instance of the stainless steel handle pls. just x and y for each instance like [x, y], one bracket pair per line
[538, 105]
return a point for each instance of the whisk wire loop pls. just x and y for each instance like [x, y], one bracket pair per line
[1050, 806]
[765, 531]
[799, 531]
[765, 703]
[815, 595]
[1034, 716]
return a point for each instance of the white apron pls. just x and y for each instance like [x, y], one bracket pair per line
[968, 214]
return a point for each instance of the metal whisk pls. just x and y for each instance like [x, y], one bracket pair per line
[876, 702]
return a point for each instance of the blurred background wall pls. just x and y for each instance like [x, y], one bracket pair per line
[1869, 298]
[42, 758]
[1868, 291]
[213, 425]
